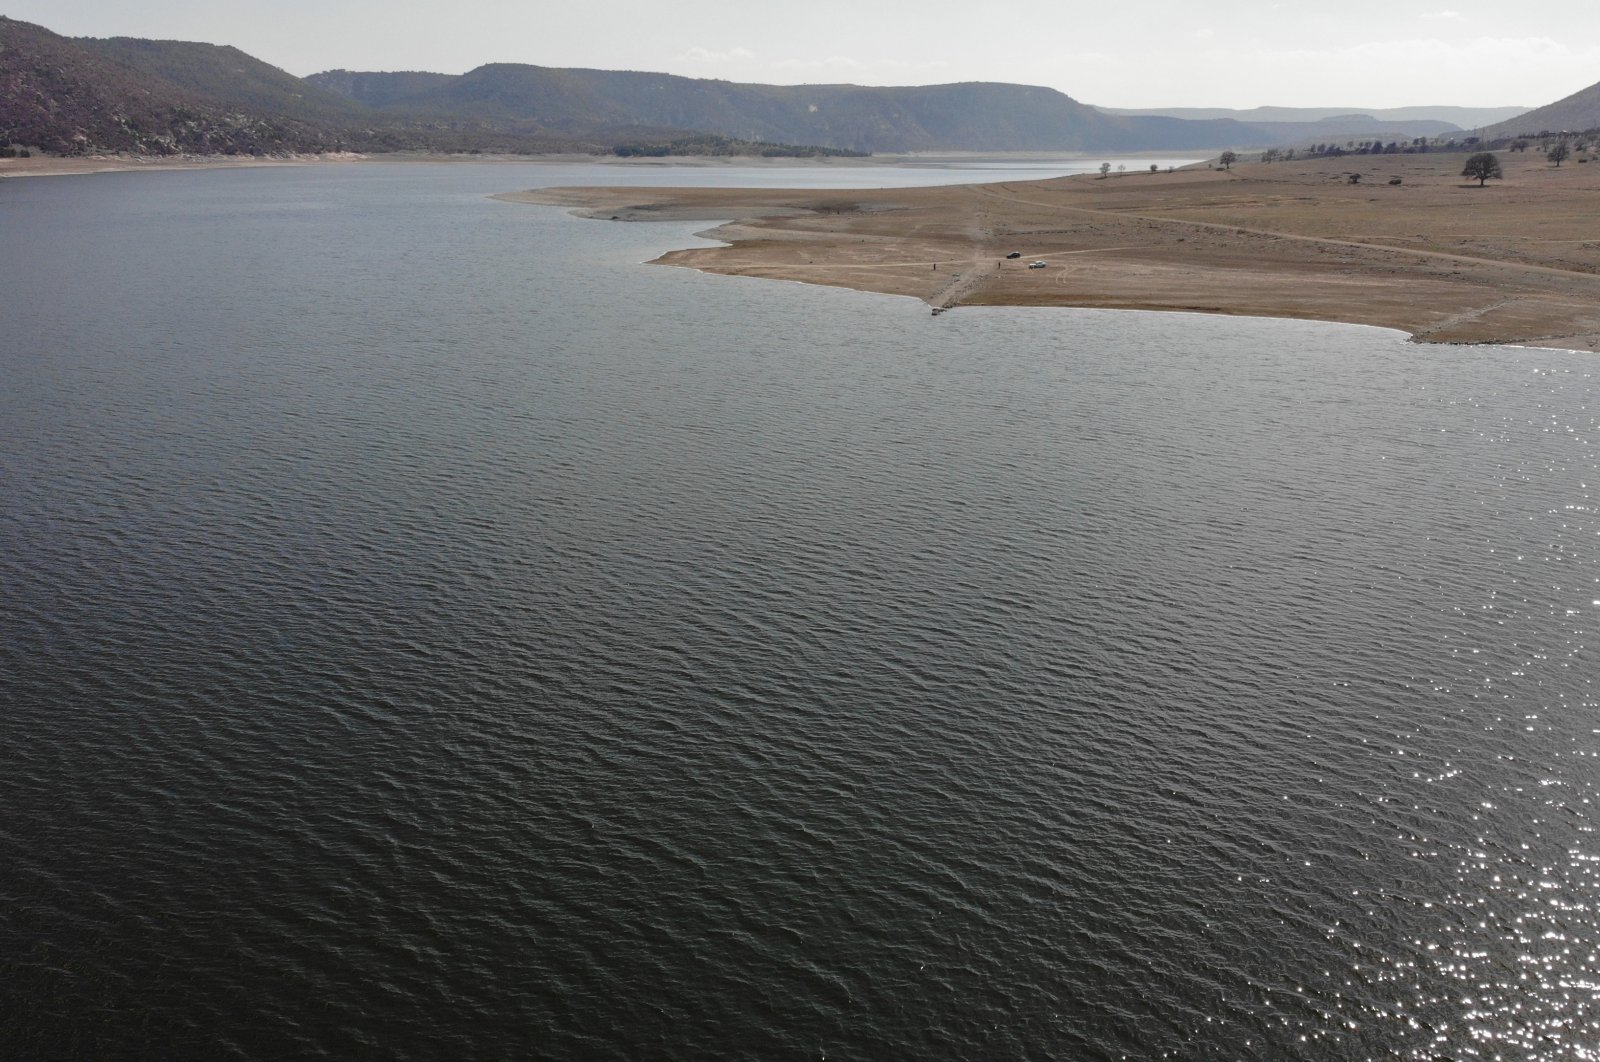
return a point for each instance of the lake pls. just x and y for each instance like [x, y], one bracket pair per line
[427, 632]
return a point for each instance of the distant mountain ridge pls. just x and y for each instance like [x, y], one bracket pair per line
[1577, 113]
[226, 74]
[1460, 117]
[76, 96]
[973, 116]
[969, 116]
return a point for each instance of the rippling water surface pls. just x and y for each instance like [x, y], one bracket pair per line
[426, 633]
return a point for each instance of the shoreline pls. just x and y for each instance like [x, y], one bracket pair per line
[59, 166]
[1515, 263]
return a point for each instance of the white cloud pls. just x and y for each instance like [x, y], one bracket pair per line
[1441, 14]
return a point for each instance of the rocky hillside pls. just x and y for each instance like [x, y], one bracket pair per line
[70, 97]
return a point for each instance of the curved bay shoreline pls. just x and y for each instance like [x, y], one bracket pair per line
[1433, 255]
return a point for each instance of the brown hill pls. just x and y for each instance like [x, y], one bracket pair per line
[1577, 113]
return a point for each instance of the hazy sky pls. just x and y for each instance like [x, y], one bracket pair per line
[1121, 53]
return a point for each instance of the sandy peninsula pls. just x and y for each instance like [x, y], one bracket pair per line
[1412, 245]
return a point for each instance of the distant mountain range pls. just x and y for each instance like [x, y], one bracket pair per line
[82, 95]
[1359, 124]
[975, 116]
[1459, 117]
[75, 96]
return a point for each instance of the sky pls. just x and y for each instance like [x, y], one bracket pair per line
[1116, 53]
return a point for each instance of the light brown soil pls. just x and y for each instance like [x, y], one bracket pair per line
[1517, 261]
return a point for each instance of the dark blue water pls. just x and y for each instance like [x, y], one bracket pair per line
[426, 633]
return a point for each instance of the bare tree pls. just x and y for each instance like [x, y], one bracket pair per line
[1558, 153]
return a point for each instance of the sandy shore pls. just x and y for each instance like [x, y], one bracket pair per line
[1434, 255]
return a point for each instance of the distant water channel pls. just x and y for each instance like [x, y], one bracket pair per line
[428, 633]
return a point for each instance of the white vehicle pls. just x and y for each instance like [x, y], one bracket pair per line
[1036, 265]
